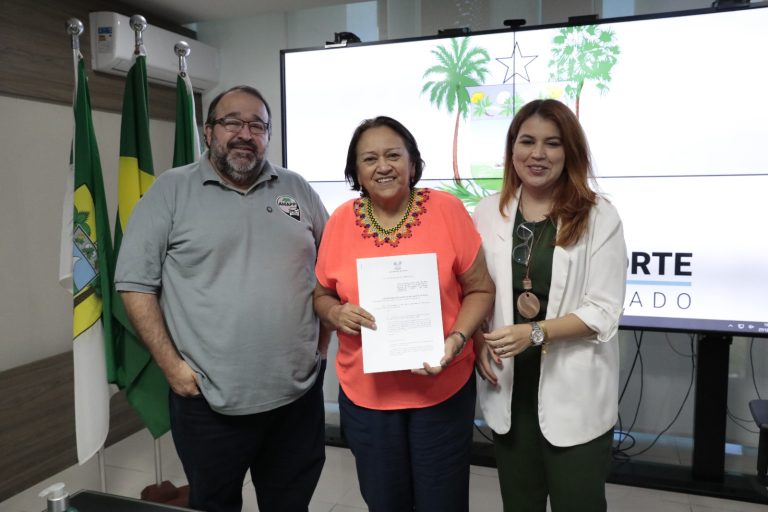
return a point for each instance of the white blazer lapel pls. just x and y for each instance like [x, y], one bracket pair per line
[503, 264]
[561, 261]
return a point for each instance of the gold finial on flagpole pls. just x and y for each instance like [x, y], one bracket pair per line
[74, 28]
[139, 25]
[182, 50]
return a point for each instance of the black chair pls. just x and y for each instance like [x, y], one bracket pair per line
[759, 410]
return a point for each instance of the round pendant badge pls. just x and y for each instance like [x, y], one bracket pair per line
[528, 305]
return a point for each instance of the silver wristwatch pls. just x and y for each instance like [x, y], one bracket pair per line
[537, 336]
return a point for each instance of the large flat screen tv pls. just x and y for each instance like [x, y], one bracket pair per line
[675, 109]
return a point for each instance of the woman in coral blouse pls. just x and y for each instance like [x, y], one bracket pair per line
[410, 431]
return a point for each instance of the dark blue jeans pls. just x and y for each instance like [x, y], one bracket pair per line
[413, 459]
[284, 448]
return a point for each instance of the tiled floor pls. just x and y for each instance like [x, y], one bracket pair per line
[130, 467]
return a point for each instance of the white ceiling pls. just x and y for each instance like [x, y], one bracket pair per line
[190, 11]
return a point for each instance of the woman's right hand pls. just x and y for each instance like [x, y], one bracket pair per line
[351, 318]
[485, 360]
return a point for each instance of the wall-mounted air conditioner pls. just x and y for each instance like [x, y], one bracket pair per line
[113, 42]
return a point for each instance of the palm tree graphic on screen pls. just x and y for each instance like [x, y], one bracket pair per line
[581, 54]
[458, 67]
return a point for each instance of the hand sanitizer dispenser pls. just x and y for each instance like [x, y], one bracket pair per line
[57, 498]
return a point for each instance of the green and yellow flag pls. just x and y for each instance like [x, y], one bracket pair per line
[130, 365]
[186, 147]
[84, 269]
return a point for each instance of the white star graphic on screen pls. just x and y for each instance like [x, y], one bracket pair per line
[517, 62]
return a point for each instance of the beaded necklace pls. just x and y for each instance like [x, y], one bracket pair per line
[371, 227]
[378, 227]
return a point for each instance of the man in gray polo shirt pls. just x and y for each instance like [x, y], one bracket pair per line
[216, 271]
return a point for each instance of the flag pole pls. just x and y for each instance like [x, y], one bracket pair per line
[102, 469]
[182, 50]
[161, 491]
[75, 28]
[158, 464]
[186, 146]
[139, 25]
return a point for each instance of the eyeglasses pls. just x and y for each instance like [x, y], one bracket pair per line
[234, 125]
[521, 253]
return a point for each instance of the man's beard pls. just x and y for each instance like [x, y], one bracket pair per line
[242, 171]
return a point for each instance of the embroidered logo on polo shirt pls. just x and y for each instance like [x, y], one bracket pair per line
[289, 206]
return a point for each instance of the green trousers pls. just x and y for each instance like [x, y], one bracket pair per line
[530, 468]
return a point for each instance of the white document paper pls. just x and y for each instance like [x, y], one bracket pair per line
[403, 295]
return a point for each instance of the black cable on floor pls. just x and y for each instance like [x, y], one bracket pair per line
[680, 410]
[736, 421]
[619, 450]
[669, 342]
[752, 366]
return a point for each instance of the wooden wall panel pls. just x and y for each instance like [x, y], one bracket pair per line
[37, 428]
[37, 422]
[36, 55]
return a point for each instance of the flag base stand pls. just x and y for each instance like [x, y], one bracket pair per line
[166, 493]
[163, 491]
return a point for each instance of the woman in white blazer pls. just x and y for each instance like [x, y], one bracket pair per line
[556, 252]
